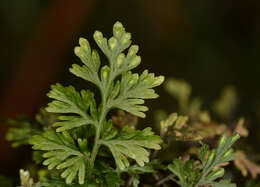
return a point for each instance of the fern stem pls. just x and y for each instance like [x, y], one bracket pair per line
[94, 151]
[103, 110]
[96, 142]
[167, 178]
[207, 170]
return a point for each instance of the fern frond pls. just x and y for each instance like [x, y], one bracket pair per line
[130, 143]
[190, 175]
[133, 89]
[69, 101]
[62, 152]
[119, 88]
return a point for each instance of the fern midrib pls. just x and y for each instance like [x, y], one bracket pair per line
[208, 169]
[104, 110]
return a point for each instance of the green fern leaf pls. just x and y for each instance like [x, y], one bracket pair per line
[91, 60]
[63, 153]
[133, 89]
[127, 94]
[69, 101]
[177, 168]
[189, 175]
[21, 133]
[133, 144]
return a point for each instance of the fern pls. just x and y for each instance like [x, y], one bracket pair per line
[82, 147]
[119, 88]
[190, 175]
[20, 133]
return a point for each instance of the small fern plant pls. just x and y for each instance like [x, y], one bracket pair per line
[69, 147]
[208, 170]
[84, 148]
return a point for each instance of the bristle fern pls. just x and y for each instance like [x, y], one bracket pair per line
[82, 147]
[190, 174]
[119, 88]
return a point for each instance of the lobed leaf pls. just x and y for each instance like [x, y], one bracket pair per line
[69, 101]
[133, 144]
[177, 168]
[62, 152]
[91, 60]
[191, 175]
[130, 93]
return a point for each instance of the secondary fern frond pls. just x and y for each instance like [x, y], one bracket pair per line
[20, 132]
[190, 175]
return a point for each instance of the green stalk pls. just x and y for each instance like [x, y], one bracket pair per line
[104, 111]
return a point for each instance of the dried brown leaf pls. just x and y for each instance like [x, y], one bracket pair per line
[241, 129]
[187, 134]
[122, 119]
[245, 165]
[220, 165]
[212, 129]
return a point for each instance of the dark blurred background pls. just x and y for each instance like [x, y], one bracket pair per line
[210, 44]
